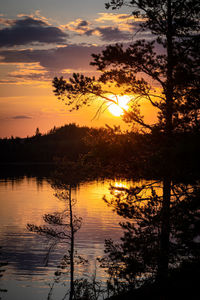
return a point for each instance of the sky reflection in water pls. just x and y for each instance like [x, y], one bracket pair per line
[26, 201]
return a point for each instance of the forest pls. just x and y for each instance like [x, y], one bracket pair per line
[113, 151]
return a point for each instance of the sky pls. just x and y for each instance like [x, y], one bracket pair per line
[42, 39]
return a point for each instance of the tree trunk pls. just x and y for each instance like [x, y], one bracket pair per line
[165, 234]
[167, 158]
[71, 248]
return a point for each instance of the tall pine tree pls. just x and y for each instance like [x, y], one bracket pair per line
[163, 70]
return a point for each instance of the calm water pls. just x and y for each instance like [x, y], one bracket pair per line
[26, 200]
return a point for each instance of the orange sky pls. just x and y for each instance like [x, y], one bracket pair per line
[37, 45]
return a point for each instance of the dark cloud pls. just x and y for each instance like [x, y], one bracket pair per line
[21, 117]
[125, 17]
[42, 76]
[83, 24]
[28, 21]
[110, 34]
[29, 30]
[69, 57]
[113, 34]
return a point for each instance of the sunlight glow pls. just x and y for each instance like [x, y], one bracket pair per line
[119, 184]
[117, 109]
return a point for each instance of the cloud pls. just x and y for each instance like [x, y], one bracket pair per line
[109, 34]
[79, 26]
[114, 18]
[106, 33]
[126, 22]
[30, 30]
[19, 117]
[6, 22]
[36, 15]
[108, 27]
[73, 56]
[83, 23]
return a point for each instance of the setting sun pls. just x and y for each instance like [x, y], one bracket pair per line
[117, 109]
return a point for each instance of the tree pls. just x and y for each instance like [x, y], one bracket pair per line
[133, 260]
[37, 132]
[173, 25]
[61, 228]
[170, 61]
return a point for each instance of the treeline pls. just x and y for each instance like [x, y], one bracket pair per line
[43, 148]
[106, 148]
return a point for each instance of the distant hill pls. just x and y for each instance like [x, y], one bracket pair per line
[66, 141]
[107, 149]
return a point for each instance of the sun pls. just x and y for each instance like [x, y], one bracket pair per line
[118, 109]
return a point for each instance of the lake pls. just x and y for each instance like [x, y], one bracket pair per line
[25, 200]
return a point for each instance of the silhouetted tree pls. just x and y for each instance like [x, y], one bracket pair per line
[170, 61]
[37, 132]
[61, 228]
[134, 261]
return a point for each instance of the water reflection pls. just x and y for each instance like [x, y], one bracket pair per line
[136, 260]
[3, 264]
[25, 202]
[61, 228]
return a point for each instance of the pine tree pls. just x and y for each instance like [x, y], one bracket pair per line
[170, 62]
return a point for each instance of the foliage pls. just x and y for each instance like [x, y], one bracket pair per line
[169, 61]
[164, 71]
[101, 152]
[64, 141]
[135, 260]
[88, 289]
[61, 228]
[57, 228]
